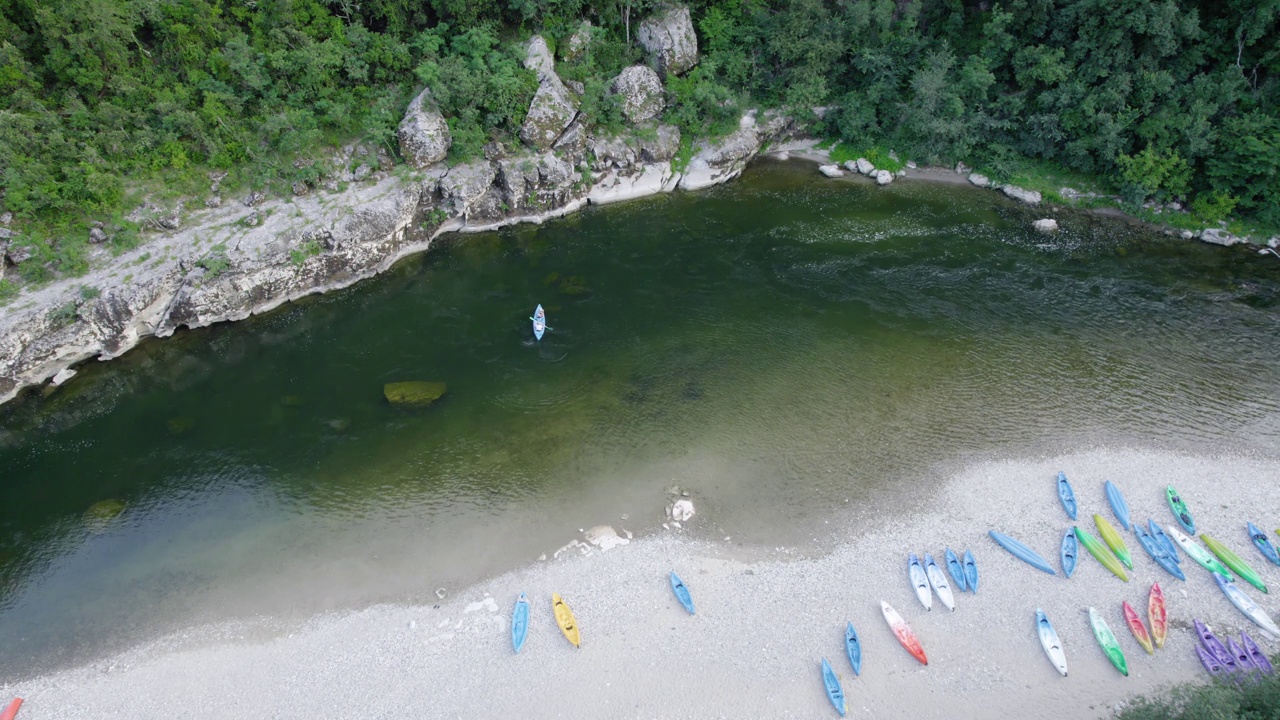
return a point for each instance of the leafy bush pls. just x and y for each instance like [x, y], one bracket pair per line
[1213, 207]
[1150, 173]
[1220, 701]
[215, 263]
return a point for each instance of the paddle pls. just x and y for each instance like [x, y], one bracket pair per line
[544, 325]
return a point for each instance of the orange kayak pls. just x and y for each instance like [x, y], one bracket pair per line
[1158, 615]
[11, 711]
[1137, 628]
[903, 633]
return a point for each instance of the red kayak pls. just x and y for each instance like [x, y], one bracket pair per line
[903, 633]
[1139, 630]
[1158, 615]
[12, 711]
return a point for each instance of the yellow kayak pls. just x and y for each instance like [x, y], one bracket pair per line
[564, 617]
[1112, 537]
[1099, 551]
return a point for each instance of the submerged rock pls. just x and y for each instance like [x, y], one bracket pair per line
[101, 513]
[1046, 225]
[413, 393]
[831, 171]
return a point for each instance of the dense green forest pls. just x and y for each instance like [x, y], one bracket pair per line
[1162, 98]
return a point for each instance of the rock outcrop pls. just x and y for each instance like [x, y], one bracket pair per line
[670, 41]
[640, 90]
[424, 134]
[553, 107]
[831, 171]
[1030, 197]
[981, 181]
[1219, 237]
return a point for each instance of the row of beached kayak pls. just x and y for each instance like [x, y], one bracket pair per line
[1112, 552]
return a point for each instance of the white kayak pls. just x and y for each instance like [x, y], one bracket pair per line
[919, 582]
[1049, 639]
[1246, 605]
[939, 582]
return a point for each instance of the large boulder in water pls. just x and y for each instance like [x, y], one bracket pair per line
[413, 393]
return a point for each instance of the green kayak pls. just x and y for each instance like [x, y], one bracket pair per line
[1112, 537]
[1200, 555]
[1233, 561]
[1099, 551]
[1107, 640]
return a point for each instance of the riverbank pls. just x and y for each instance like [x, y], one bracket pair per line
[765, 618]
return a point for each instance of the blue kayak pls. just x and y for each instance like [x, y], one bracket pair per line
[520, 622]
[682, 592]
[1022, 552]
[970, 572]
[1264, 545]
[1066, 495]
[834, 691]
[1157, 552]
[1070, 552]
[1118, 505]
[539, 322]
[956, 570]
[853, 648]
[1170, 548]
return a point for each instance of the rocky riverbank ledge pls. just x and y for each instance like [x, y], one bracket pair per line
[233, 259]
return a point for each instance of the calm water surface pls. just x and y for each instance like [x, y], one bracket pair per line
[779, 346]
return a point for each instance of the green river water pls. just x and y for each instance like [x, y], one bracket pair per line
[779, 346]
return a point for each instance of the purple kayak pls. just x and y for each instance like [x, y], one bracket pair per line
[1215, 647]
[1207, 660]
[1259, 658]
[1244, 663]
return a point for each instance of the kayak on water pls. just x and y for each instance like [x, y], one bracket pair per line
[1168, 544]
[919, 582]
[1234, 561]
[1260, 660]
[1180, 511]
[1200, 555]
[853, 648]
[539, 322]
[956, 570]
[1066, 495]
[1107, 640]
[682, 592]
[1157, 552]
[939, 582]
[565, 619]
[903, 632]
[1022, 552]
[834, 692]
[1100, 551]
[1264, 545]
[1050, 642]
[1118, 505]
[520, 622]
[970, 572]
[1158, 614]
[1246, 605]
[1070, 550]
[1137, 628]
[1112, 538]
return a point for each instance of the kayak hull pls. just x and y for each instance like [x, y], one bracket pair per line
[567, 622]
[1246, 605]
[919, 582]
[1264, 545]
[1118, 504]
[11, 710]
[1169, 546]
[1100, 552]
[1136, 627]
[539, 322]
[1234, 561]
[956, 570]
[1209, 662]
[1157, 552]
[1107, 640]
[970, 572]
[1066, 495]
[682, 593]
[1202, 557]
[835, 693]
[1069, 552]
[1180, 511]
[1158, 615]
[1022, 552]
[520, 622]
[1260, 660]
[939, 582]
[1214, 646]
[853, 648]
[1050, 642]
[903, 632]
[1112, 538]
[1244, 663]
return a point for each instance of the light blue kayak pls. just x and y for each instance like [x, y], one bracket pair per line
[682, 592]
[970, 572]
[1157, 552]
[1070, 551]
[956, 570]
[520, 622]
[1170, 548]
[1118, 505]
[1022, 552]
[539, 322]
[1261, 542]
[1066, 495]
[853, 648]
[834, 691]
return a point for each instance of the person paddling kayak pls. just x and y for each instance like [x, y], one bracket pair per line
[539, 322]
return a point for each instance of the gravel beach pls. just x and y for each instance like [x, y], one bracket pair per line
[766, 617]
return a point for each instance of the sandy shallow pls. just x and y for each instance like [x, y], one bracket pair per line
[765, 618]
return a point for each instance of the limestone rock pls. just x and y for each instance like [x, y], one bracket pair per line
[962, 169]
[1046, 225]
[413, 393]
[883, 177]
[18, 254]
[1274, 242]
[97, 236]
[572, 143]
[661, 146]
[537, 182]
[464, 185]
[577, 43]
[538, 57]
[831, 171]
[550, 113]
[1218, 236]
[864, 166]
[979, 180]
[424, 134]
[641, 93]
[62, 376]
[670, 41]
[851, 166]
[1030, 197]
